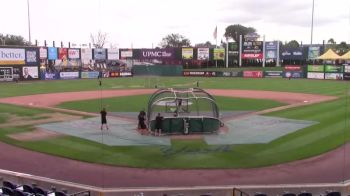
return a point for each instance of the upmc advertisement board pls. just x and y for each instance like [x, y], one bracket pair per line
[12, 56]
[157, 54]
[252, 50]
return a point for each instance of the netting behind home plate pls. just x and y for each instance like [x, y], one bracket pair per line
[185, 111]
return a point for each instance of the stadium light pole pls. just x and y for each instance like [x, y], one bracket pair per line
[312, 20]
[30, 38]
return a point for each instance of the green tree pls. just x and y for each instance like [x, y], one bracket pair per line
[234, 31]
[207, 44]
[331, 41]
[175, 40]
[342, 48]
[292, 44]
[14, 40]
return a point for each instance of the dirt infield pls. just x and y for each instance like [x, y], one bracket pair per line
[325, 168]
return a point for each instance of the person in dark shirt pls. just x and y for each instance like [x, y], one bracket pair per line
[158, 125]
[103, 118]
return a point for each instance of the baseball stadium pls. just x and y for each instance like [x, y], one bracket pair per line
[247, 116]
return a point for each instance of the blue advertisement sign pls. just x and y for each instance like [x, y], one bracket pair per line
[292, 54]
[52, 53]
[49, 75]
[271, 50]
[100, 54]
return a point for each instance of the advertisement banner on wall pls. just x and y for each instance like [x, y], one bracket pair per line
[124, 54]
[89, 74]
[252, 50]
[49, 76]
[292, 54]
[315, 68]
[292, 67]
[43, 53]
[333, 69]
[69, 75]
[314, 52]
[187, 53]
[203, 54]
[219, 54]
[63, 53]
[271, 50]
[29, 73]
[86, 55]
[346, 68]
[293, 74]
[113, 54]
[346, 76]
[73, 53]
[200, 73]
[333, 76]
[252, 74]
[6, 74]
[12, 56]
[100, 54]
[314, 75]
[273, 74]
[32, 56]
[167, 53]
[52, 53]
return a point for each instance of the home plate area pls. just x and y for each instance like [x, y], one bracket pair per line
[249, 129]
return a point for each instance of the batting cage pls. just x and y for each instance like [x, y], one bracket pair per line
[184, 111]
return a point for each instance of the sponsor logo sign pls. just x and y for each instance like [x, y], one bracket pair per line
[219, 54]
[73, 53]
[273, 74]
[100, 54]
[252, 74]
[292, 67]
[347, 68]
[126, 54]
[6, 74]
[52, 53]
[203, 54]
[292, 54]
[233, 49]
[333, 76]
[293, 74]
[31, 56]
[314, 75]
[314, 52]
[113, 54]
[199, 73]
[63, 53]
[125, 74]
[69, 75]
[252, 50]
[86, 55]
[333, 69]
[157, 54]
[43, 53]
[50, 76]
[271, 50]
[346, 76]
[29, 73]
[315, 68]
[90, 74]
[12, 56]
[187, 53]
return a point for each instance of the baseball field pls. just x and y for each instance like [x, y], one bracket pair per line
[20, 121]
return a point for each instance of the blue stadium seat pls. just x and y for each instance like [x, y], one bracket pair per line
[7, 191]
[9, 184]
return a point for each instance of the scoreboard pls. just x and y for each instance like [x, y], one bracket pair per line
[6, 73]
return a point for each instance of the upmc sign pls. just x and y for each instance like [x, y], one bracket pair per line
[12, 56]
[157, 54]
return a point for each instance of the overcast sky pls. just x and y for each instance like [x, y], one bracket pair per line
[143, 23]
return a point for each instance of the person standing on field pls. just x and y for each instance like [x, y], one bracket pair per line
[104, 118]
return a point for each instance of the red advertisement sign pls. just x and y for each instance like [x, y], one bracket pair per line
[252, 74]
[292, 68]
[62, 53]
[252, 56]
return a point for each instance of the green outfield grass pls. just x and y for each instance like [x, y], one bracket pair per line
[136, 103]
[331, 132]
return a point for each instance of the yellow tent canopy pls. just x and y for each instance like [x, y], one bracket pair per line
[346, 56]
[329, 55]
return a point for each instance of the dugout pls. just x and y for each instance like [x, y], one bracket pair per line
[185, 111]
